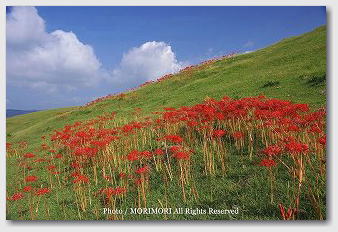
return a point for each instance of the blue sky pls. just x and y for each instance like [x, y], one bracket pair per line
[64, 56]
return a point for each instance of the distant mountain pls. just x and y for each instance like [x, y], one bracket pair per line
[12, 112]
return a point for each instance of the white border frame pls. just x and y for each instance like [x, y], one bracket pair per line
[330, 224]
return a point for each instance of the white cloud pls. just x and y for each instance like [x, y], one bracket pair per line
[147, 62]
[47, 61]
[58, 63]
[24, 27]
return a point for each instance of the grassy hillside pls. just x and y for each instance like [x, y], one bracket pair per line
[222, 170]
[292, 69]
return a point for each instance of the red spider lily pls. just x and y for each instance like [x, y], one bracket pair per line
[219, 116]
[238, 135]
[51, 167]
[182, 155]
[31, 178]
[292, 127]
[142, 170]
[173, 138]
[272, 150]
[146, 154]
[120, 190]
[81, 179]
[29, 155]
[322, 140]
[17, 196]
[27, 188]
[8, 146]
[139, 181]
[287, 215]
[58, 156]
[100, 143]
[42, 191]
[133, 155]
[109, 192]
[159, 152]
[74, 174]
[315, 129]
[75, 164]
[192, 123]
[296, 148]
[267, 163]
[174, 148]
[122, 175]
[218, 133]
[85, 151]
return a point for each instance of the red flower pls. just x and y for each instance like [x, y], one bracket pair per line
[238, 135]
[51, 167]
[159, 152]
[74, 174]
[120, 190]
[27, 188]
[17, 196]
[109, 192]
[267, 163]
[142, 170]
[133, 155]
[42, 191]
[75, 164]
[29, 155]
[81, 179]
[138, 181]
[8, 146]
[87, 151]
[182, 155]
[122, 175]
[31, 178]
[146, 154]
[272, 150]
[40, 160]
[296, 148]
[174, 148]
[322, 140]
[218, 133]
[192, 123]
[58, 156]
[173, 138]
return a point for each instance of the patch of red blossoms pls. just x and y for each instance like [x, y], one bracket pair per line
[267, 163]
[31, 178]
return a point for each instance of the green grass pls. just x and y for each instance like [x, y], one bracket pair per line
[292, 69]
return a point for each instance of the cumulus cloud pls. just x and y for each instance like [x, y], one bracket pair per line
[58, 63]
[146, 62]
[48, 61]
[24, 28]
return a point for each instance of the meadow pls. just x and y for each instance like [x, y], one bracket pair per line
[244, 132]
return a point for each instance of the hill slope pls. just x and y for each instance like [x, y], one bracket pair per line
[292, 69]
[254, 155]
